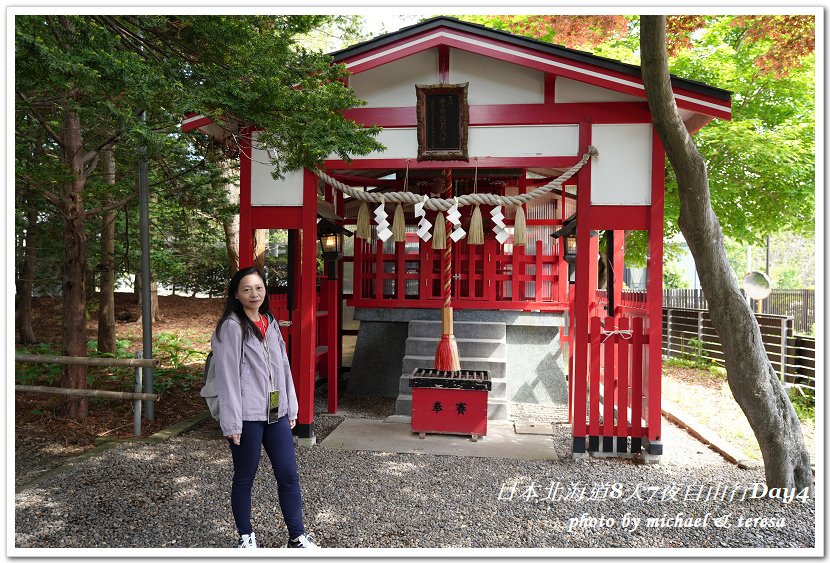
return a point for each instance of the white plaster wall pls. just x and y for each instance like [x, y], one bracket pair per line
[571, 91]
[621, 174]
[267, 191]
[400, 142]
[496, 82]
[393, 84]
[525, 140]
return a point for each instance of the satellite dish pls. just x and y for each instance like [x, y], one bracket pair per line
[757, 285]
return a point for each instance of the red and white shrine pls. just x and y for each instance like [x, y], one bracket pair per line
[470, 111]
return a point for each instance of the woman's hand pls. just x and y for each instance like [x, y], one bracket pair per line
[234, 438]
[292, 423]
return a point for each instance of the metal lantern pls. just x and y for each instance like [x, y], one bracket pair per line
[328, 234]
[568, 235]
[569, 253]
[330, 246]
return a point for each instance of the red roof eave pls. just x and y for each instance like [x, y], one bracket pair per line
[531, 58]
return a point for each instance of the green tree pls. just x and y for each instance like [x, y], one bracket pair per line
[674, 276]
[750, 375]
[762, 162]
[85, 79]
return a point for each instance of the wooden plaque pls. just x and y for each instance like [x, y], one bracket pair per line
[443, 119]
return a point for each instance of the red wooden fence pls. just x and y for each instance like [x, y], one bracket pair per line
[408, 275]
[619, 408]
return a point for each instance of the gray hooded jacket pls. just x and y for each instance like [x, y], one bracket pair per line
[243, 393]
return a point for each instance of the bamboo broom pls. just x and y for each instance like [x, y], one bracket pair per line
[446, 356]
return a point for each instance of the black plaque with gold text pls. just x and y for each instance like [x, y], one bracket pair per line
[442, 121]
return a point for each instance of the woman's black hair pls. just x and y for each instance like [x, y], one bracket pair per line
[234, 307]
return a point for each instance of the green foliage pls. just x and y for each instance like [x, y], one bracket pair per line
[184, 379]
[121, 349]
[804, 402]
[337, 33]
[38, 374]
[762, 162]
[176, 355]
[693, 350]
[174, 351]
[106, 69]
[124, 375]
[714, 371]
[674, 276]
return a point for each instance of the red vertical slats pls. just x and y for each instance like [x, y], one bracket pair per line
[426, 267]
[517, 293]
[379, 270]
[471, 270]
[540, 269]
[357, 272]
[608, 386]
[400, 270]
[593, 385]
[491, 248]
[637, 378]
[622, 379]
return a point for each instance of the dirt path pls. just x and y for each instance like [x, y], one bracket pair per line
[707, 397]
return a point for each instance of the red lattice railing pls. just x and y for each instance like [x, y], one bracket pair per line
[484, 276]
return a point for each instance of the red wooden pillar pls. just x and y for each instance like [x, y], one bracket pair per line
[586, 275]
[332, 340]
[306, 321]
[246, 232]
[655, 297]
[571, 355]
[357, 272]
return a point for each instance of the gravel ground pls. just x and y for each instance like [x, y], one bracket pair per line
[176, 494]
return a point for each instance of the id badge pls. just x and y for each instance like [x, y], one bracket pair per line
[273, 406]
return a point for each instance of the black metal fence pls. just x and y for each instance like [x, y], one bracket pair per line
[689, 334]
[799, 304]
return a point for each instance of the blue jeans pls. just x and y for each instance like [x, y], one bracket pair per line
[279, 445]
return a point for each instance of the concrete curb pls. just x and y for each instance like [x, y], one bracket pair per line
[693, 426]
[109, 443]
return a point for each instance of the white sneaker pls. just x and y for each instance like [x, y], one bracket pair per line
[303, 541]
[247, 540]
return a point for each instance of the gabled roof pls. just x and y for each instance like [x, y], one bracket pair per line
[580, 65]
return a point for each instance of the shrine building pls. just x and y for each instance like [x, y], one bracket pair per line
[551, 153]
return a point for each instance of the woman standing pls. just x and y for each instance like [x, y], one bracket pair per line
[257, 403]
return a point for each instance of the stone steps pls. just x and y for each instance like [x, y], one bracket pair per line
[473, 348]
[461, 330]
[481, 346]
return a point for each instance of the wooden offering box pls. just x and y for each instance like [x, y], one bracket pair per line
[449, 402]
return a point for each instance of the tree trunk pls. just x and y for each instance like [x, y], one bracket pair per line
[75, 262]
[106, 309]
[154, 300]
[602, 271]
[231, 226]
[751, 377]
[260, 245]
[25, 282]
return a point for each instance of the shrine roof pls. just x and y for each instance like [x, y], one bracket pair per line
[517, 49]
